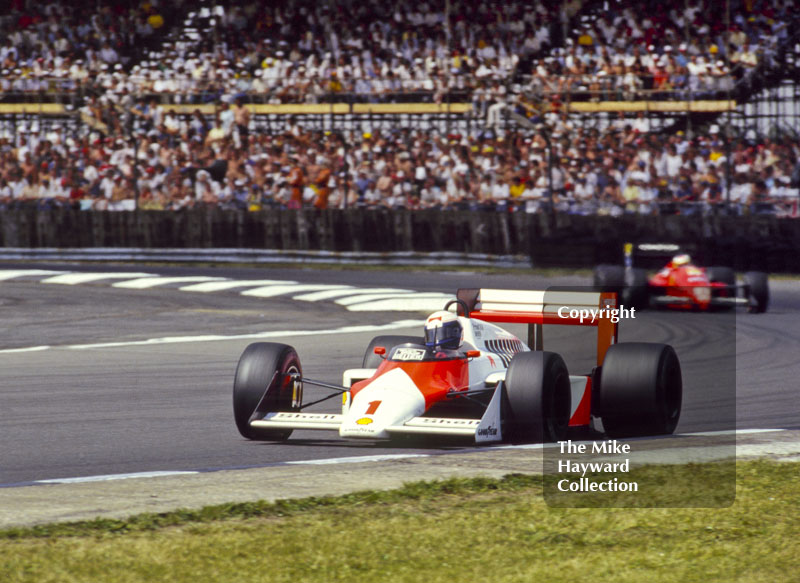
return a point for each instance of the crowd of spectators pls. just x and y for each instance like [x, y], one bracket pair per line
[615, 171]
[121, 57]
[306, 51]
[672, 50]
[44, 42]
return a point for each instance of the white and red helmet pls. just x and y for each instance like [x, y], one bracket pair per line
[443, 330]
[682, 259]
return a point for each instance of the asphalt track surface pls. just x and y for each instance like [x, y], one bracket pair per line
[82, 393]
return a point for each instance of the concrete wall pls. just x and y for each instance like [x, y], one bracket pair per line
[561, 241]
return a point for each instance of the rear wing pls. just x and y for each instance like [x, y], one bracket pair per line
[652, 254]
[536, 308]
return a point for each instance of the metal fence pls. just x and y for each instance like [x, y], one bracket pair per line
[568, 241]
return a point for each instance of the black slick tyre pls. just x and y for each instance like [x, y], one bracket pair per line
[262, 372]
[759, 291]
[641, 390]
[609, 278]
[372, 360]
[636, 293]
[724, 275]
[539, 397]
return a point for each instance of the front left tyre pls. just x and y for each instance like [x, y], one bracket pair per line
[268, 379]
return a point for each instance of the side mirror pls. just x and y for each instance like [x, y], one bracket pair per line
[379, 350]
[473, 353]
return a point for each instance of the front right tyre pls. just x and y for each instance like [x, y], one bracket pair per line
[539, 397]
[267, 379]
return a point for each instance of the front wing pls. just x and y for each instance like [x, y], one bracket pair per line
[333, 421]
[486, 429]
[738, 295]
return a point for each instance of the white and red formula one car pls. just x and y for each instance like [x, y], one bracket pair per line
[468, 377]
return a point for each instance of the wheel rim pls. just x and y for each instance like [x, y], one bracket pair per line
[293, 387]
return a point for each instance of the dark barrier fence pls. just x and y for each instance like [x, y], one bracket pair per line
[749, 242]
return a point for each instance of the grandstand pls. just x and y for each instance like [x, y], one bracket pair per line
[584, 107]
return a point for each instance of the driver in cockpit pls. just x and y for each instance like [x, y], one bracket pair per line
[443, 332]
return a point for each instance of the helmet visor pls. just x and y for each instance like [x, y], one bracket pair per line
[447, 335]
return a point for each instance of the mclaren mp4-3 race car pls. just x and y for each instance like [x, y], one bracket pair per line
[680, 284]
[469, 377]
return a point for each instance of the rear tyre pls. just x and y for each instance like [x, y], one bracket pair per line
[636, 293]
[759, 291]
[609, 278]
[372, 360]
[724, 275]
[641, 390]
[255, 376]
[539, 397]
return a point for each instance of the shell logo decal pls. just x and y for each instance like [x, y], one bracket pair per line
[364, 421]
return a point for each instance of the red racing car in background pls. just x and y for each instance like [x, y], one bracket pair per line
[681, 284]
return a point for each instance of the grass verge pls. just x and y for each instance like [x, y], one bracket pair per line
[455, 530]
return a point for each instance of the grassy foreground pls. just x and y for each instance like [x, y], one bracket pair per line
[451, 531]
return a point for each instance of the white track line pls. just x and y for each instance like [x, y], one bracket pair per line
[357, 459]
[214, 286]
[14, 273]
[148, 282]
[28, 349]
[353, 298]
[749, 450]
[280, 290]
[413, 303]
[375, 297]
[110, 477]
[399, 324]
[733, 432]
[78, 278]
[330, 294]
